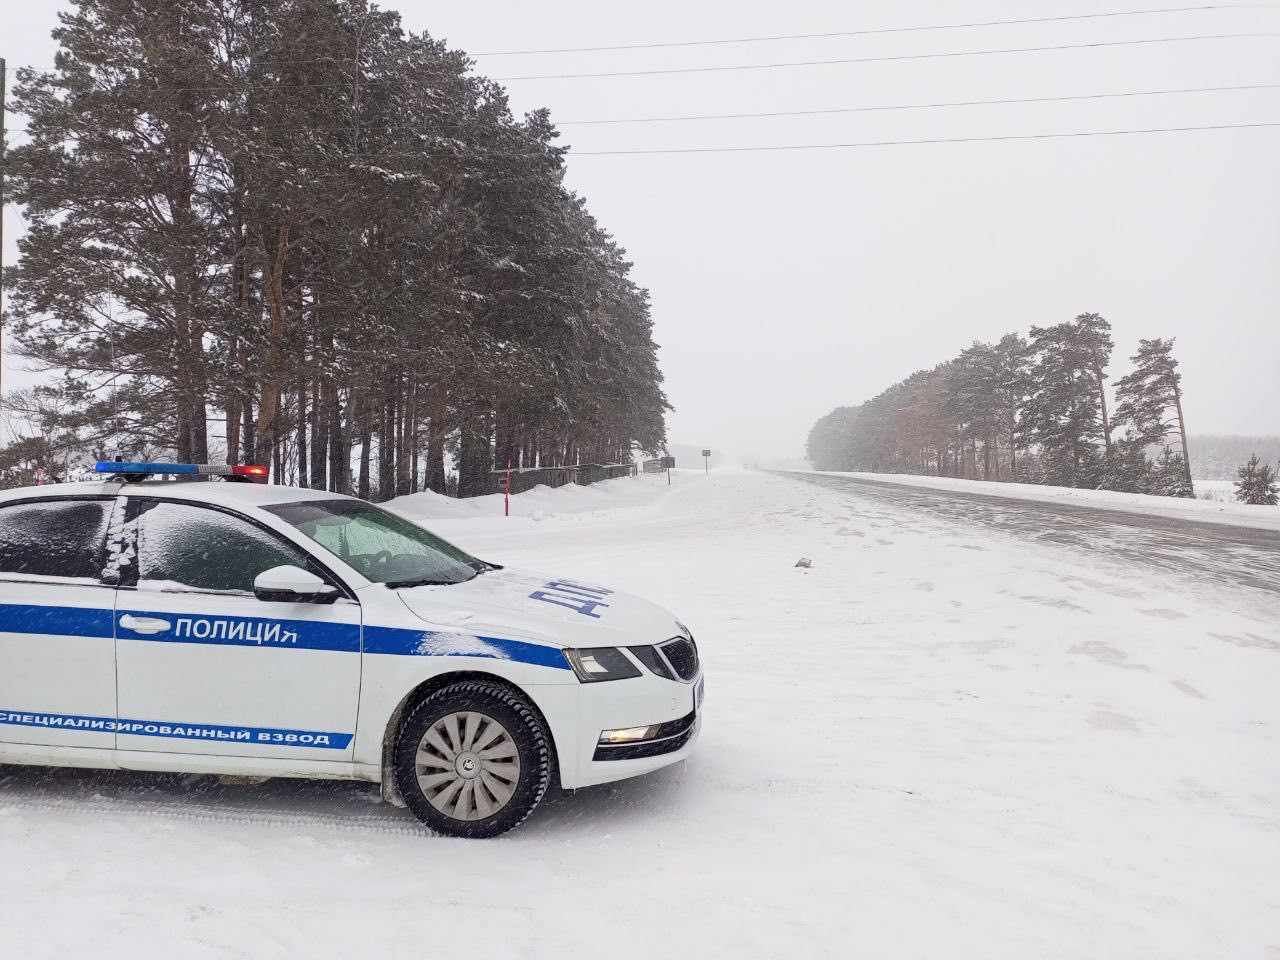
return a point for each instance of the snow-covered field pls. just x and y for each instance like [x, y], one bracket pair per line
[936, 742]
[1221, 491]
[1215, 501]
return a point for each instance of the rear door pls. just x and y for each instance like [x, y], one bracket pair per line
[57, 650]
[205, 667]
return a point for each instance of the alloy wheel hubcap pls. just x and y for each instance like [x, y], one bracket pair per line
[467, 765]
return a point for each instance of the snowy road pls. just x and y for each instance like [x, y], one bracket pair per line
[939, 741]
[1229, 556]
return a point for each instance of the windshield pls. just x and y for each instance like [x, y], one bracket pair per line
[382, 546]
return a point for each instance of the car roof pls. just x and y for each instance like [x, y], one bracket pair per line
[217, 492]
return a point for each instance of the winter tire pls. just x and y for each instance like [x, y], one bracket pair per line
[472, 760]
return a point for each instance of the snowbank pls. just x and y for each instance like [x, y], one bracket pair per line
[540, 502]
[1209, 511]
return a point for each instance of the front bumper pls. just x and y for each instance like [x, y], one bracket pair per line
[595, 772]
[642, 701]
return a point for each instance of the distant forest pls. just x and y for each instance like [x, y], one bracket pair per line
[290, 232]
[1029, 409]
[1218, 457]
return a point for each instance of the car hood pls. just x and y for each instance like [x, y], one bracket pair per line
[562, 612]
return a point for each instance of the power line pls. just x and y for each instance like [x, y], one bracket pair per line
[904, 143]
[546, 155]
[822, 146]
[868, 32]
[919, 106]
[239, 82]
[411, 128]
[882, 59]
[722, 41]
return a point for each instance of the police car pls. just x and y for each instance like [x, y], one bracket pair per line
[254, 630]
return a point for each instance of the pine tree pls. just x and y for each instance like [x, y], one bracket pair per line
[1063, 412]
[1092, 334]
[1170, 477]
[1256, 483]
[119, 278]
[973, 404]
[1012, 387]
[1150, 399]
[1127, 468]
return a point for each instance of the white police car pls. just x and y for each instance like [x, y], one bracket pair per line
[253, 630]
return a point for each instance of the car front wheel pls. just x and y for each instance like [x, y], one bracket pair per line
[472, 760]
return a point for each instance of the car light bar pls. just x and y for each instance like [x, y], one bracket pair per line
[233, 470]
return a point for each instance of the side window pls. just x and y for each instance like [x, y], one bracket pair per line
[186, 547]
[54, 538]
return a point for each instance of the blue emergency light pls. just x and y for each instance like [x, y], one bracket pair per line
[136, 471]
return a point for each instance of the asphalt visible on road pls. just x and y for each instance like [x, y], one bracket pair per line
[1229, 555]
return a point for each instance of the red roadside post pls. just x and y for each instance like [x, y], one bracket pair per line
[506, 506]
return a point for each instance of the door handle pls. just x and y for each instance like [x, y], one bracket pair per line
[144, 624]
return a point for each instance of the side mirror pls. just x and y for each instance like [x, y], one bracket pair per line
[289, 583]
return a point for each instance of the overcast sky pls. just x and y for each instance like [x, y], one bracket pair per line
[786, 283]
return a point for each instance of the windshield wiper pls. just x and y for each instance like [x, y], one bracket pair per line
[421, 582]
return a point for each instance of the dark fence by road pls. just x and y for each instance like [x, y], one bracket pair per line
[526, 478]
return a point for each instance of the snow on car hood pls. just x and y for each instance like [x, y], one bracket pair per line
[564, 612]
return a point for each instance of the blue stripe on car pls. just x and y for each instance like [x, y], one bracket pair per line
[246, 631]
[76, 621]
[274, 633]
[429, 643]
[213, 732]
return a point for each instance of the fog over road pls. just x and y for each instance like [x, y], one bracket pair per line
[1217, 553]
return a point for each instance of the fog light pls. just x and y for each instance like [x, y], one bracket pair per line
[625, 735]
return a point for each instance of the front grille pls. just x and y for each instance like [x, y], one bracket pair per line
[682, 654]
[666, 738]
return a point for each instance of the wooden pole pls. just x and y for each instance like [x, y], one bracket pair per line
[1182, 430]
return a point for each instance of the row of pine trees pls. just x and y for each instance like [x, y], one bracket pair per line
[1030, 409]
[290, 232]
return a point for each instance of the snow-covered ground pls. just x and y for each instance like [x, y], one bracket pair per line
[1222, 491]
[537, 503]
[1217, 508]
[935, 742]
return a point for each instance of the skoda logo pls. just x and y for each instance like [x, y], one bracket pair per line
[468, 764]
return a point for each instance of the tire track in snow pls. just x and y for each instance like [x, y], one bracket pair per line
[294, 804]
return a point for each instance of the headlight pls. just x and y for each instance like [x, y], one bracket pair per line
[601, 663]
